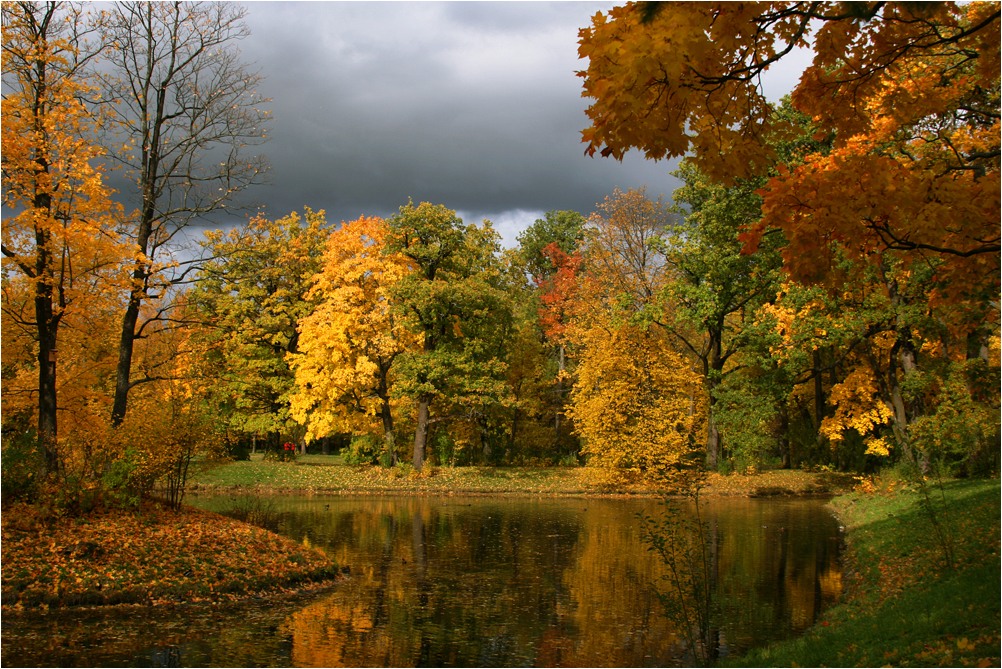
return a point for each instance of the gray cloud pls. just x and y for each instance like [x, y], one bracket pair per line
[472, 105]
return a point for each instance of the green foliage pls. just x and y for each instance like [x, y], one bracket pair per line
[713, 289]
[456, 300]
[22, 463]
[961, 434]
[252, 296]
[563, 228]
[363, 449]
[119, 480]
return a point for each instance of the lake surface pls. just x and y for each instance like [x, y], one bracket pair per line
[471, 581]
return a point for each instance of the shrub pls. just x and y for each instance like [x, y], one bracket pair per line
[22, 464]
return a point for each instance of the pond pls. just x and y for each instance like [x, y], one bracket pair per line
[472, 581]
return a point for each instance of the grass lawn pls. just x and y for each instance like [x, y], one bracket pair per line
[924, 588]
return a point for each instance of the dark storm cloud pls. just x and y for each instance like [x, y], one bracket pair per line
[471, 105]
[474, 105]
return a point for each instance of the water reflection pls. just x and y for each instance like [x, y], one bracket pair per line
[480, 582]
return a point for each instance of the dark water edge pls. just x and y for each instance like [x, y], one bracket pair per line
[470, 582]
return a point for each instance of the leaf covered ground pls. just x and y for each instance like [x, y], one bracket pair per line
[153, 556]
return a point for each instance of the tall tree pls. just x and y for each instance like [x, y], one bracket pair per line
[185, 113]
[62, 237]
[712, 284]
[251, 295]
[455, 302]
[350, 340]
[558, 232]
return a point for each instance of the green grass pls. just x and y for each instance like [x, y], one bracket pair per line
[905, 605]
[328, 474]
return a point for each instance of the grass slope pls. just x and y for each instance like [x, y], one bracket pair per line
[906, 605]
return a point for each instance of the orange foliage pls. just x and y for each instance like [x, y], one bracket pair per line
[909, 92]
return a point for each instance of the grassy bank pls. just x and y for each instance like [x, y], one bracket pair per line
[923, 587]
[152, 556]
[318, 474]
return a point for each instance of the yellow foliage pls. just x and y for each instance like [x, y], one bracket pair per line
[347, 345]
[858, 407]
[636, 403]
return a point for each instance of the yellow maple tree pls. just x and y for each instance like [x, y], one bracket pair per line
[348, 343]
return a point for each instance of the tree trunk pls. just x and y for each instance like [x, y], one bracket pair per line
[389, 438]
[386, 412]
[786, 444]
[46, 328]
[713, 368]
[46, 322]
[421, 433]
[123, 372]
[141, 273]
[712, 442]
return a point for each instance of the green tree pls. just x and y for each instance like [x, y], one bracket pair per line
[252, 298]
[456, 301]
[713, 287]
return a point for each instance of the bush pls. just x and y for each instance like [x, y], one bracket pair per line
[22, 464]
[364, 449]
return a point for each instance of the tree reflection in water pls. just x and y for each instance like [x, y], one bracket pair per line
[452, 581]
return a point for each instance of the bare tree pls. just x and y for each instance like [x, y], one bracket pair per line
[186, 120]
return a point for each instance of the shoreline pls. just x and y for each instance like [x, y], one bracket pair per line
[84, 563]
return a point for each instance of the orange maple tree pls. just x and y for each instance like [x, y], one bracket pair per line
[909, 92]
[61, 239]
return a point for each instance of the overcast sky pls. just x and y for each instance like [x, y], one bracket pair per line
[472, 105]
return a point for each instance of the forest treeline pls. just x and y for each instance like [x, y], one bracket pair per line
[822, 290]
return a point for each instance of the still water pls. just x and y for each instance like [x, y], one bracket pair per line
[462, 581]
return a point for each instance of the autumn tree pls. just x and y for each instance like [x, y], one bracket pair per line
[61, 238]
[908, 91]
[554, 236]
[251, 297]
[906, 189]
[185, 116]
[348, 343]
[637, 403]
[455, 302]
[713, 287]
